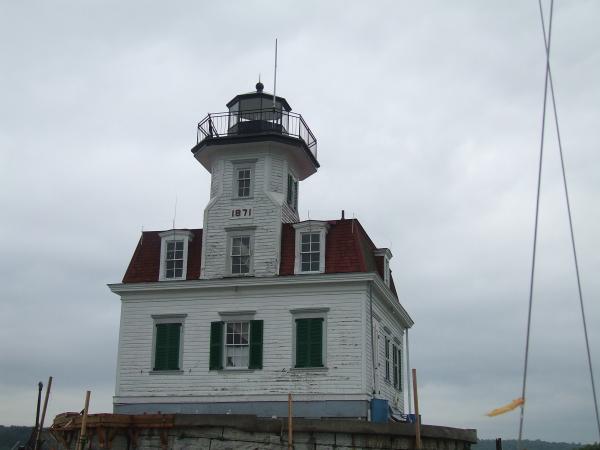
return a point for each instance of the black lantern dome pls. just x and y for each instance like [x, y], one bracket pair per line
[252, 117]
[257, 112]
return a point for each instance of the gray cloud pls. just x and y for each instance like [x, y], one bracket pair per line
[428, 121]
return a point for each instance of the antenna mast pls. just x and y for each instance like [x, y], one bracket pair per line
[275, 75]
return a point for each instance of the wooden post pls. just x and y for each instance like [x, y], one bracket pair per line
[82, 436]
[290, 432]
[418, 419]
[39, 431]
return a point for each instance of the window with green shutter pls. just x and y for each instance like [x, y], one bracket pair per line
[166, 349]
[216, 346]
[400, 369]
[309, 342]
[256, 344]
[387, 359]
[236, 345]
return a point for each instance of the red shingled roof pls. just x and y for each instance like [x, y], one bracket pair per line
[145, 262]
[348, 249]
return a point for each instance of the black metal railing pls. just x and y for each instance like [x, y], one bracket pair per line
[237, 123]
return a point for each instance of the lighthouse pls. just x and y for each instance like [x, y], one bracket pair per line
[233, 316]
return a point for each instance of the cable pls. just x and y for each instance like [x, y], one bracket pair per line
[535, 230]
[564, 176]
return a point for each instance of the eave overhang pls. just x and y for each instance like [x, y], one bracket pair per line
[392, 302]
[206, 148]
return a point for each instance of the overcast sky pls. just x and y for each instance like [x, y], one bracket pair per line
[427, 116]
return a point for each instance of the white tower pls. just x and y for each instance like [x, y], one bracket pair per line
[257, 153]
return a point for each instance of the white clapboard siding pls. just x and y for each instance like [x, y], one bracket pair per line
[269, 208]
[344, 356]
[383, 316]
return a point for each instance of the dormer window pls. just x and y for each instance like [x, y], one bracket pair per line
[310, 246]
[173, 254]
[174, 259]
[310, 252]
[386, 254]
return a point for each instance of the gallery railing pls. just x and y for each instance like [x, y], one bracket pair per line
[234, 123]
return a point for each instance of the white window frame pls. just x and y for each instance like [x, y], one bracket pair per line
[231, 317]
[309, 313]
[166, 319]
[173, 235]
[240, 232]
[310, 226]
[248, 164]
[225, 345]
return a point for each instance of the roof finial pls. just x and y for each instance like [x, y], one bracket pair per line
[259, 85]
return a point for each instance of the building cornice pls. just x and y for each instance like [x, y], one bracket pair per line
[295, 280]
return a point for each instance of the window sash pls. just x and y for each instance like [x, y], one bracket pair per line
[237, 344]
[240, 255]
[310, 252]
[243, 182]
[174, 259]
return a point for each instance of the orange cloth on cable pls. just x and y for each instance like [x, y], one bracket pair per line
[506, 408]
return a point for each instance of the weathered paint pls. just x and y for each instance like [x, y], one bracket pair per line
[346, 376]
[270, 167]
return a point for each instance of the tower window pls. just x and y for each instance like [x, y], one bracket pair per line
[310, 252]
[240, 255]
[292, 192]
[243, 182]
[174, 259]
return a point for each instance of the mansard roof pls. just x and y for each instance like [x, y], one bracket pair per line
[348, 249]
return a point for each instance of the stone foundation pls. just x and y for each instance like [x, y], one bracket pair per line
[229, 432]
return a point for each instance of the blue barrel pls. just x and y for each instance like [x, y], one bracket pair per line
[380, 411]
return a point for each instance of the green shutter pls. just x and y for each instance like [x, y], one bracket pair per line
[216, 346]
[256, 344]
[302, 342]
[400, 369]
[166, 355]
[395, 364]
[309, 342]
[290, 193]
[316, 342]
